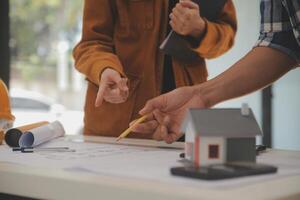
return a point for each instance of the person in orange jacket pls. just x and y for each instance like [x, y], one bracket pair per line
[120, 57]
[6, 117]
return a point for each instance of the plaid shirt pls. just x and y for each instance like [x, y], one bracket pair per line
[280, 26]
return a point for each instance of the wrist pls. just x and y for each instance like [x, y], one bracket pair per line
[203, 98]
[102, 72]
[108, 70]
[207, 94]
[199, 29]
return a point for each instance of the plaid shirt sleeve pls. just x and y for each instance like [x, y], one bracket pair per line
[280, 26]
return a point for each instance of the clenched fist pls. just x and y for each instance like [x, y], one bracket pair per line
[186, 19]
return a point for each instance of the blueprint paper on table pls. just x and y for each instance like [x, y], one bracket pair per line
[137, 162]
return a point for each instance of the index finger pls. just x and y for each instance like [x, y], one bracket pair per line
[179, 9]
[100, 94]
[189, 4]
[159, 103]
[171, 137]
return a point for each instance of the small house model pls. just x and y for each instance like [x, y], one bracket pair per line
[218, 136]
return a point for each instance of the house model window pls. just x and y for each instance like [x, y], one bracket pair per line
[213, 151]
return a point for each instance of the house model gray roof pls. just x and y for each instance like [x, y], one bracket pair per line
[222, 122]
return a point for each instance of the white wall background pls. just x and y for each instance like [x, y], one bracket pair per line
[286, 111]
[286, 101]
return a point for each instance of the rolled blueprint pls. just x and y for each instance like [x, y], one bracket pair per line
[41, 134]
[1, 135]
[13, 135]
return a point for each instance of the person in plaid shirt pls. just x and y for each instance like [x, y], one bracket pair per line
[276, 52]
[280, 26]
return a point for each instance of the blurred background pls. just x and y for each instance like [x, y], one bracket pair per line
[45, 86]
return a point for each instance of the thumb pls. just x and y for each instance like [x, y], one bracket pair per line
[122, 84]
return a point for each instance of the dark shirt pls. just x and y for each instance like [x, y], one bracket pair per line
[168, 74]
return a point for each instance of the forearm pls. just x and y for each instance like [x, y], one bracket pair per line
[219, 34]
[95, 52]
[259, 68]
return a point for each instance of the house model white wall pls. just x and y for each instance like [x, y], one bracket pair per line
[216, 136]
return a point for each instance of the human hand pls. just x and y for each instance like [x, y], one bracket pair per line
[186, 20]
[146, 128]
[168, 110]
[112, 88]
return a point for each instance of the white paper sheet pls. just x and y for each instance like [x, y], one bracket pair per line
[41, 134]
[137, 162]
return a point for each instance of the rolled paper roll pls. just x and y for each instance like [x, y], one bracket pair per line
[1, 136]
[12, 136]
[41, 134]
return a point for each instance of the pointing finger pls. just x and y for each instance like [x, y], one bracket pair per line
[100, 94]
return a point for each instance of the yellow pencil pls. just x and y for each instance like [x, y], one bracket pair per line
[127, 131]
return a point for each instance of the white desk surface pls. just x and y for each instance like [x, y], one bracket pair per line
[59, 184]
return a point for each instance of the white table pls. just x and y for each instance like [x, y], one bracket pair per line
[59, 184]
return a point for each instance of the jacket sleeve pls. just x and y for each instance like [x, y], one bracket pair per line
[219, 35]
[95, 51]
